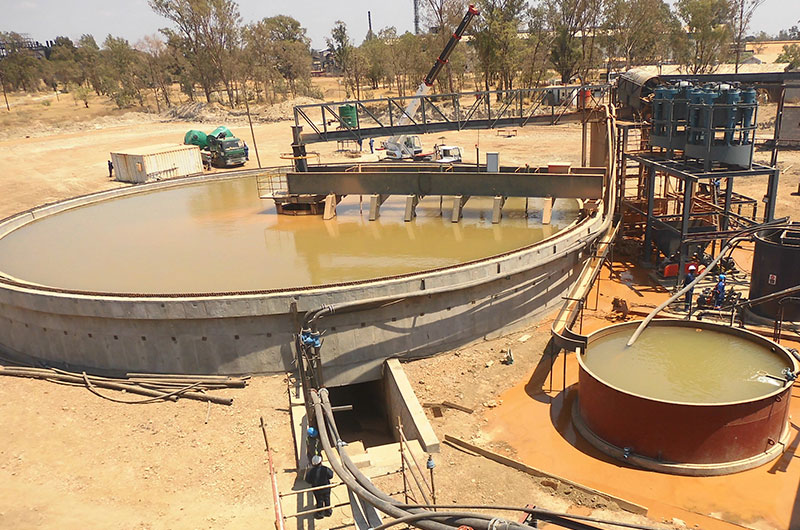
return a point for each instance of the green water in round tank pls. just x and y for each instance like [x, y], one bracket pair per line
[685, 364]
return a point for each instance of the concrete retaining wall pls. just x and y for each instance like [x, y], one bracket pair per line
[253, 332]
[402, 403]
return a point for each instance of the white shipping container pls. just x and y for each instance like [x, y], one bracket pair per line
[159, 162]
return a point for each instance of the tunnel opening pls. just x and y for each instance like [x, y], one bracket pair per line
[368, 421]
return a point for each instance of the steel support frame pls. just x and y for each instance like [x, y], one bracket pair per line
[689, 176]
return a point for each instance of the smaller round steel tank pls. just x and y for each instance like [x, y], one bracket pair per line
[775, 268]
[690, 398]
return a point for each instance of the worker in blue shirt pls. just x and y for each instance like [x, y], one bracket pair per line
[719, 292]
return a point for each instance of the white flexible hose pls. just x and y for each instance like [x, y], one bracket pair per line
[730, 246]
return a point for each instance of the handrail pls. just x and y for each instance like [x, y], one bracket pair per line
[560, 329]
[515, 92]
[478, 103]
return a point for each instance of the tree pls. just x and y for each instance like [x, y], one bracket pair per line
[708, 33]
[566, 54]
[19, 69]
[208, 35]
[742, 14]
[122, 72]
[63, 62]
[792, 33]
[155, 55]
[791, 55]
[279, 53]
[376, 53]
[497, 40]
[347, 57]
[280, 42]
[258, 56]
[536, 48]
[88, 57]
[639, 31]
[572, 23]
[80, 93]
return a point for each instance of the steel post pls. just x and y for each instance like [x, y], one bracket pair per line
[299, 149]
[688, 197]
[728, 197]
[772, 195]
[648, 231]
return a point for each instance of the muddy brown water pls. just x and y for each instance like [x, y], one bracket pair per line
[685, 365]
[220, 237]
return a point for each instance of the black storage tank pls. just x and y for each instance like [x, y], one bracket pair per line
[776, 266]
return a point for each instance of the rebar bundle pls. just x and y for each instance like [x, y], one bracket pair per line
[156, 387]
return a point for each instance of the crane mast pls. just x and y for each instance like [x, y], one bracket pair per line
[399, 146]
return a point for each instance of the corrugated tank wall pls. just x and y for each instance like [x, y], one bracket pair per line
[179, 162]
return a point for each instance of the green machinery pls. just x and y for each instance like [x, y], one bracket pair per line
[219, 148]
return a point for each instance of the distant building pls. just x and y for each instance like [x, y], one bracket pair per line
[322, 63]
[768, 51]
[36, 48]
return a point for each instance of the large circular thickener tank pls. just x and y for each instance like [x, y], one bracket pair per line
[775, 260]
[690, 398]
[198, 275]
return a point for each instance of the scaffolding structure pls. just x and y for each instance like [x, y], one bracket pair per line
[680, 206]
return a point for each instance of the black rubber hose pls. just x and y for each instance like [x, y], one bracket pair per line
[347, 477]
[566, 523]
[358, 482]
[566, 520]
[540, 514]
[733, 242]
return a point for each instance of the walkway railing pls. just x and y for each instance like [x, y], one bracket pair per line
[272, 183]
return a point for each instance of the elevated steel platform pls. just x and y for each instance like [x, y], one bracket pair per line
[329, 184]
[682, 206]
[577, 185]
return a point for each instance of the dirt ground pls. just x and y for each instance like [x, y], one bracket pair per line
[70, 460]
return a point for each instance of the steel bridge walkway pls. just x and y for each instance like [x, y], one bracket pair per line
[448, 112]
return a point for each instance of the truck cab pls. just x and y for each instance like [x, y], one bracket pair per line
[447, 154]
[227, 151]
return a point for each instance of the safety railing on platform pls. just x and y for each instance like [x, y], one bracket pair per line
[272, 183]
[409, 466]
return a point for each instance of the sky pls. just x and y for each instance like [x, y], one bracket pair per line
[133, 19]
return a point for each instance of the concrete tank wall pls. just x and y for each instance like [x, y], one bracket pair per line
[253, 332]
